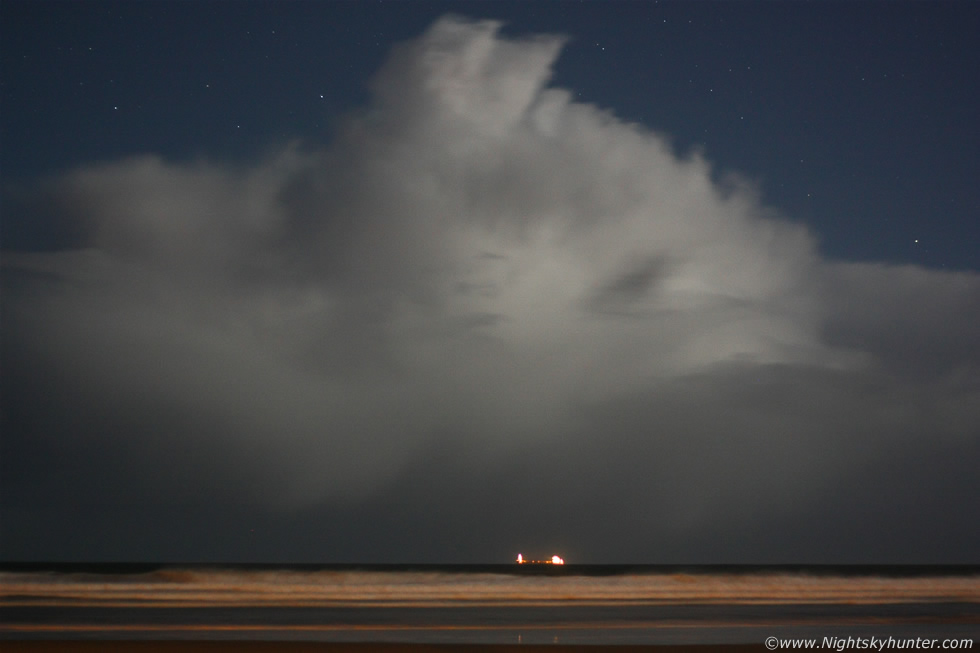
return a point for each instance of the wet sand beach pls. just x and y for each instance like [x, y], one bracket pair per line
[67, 646]
[432, 609]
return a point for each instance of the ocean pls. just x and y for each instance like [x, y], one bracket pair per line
[487, 604]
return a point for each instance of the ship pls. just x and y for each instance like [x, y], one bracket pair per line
[555, 560]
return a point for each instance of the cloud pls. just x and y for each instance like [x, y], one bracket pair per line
[476, 265]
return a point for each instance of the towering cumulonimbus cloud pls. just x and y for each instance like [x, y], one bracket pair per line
[476, 262]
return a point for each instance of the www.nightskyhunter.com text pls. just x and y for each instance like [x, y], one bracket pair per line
[868, 643]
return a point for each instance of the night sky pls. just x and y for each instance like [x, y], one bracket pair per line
[682, 282]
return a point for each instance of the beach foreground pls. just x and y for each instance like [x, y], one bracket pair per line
[495, 609]
[228, 646]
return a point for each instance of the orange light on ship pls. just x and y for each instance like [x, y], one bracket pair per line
[555, 560]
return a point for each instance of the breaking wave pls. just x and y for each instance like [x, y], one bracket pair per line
[272, 587]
